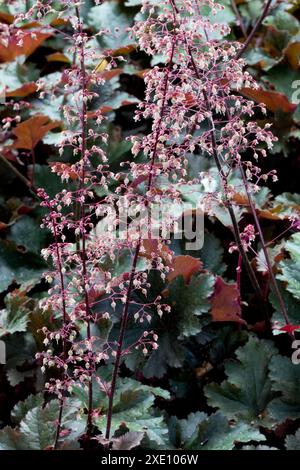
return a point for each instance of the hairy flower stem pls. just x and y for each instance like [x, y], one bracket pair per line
[135, 257]
[255, 28]
[83, 120]
[250, 200]
[265, 249]
[249, 197]
[263, 243]
[239, 18]
[65, 320]
[120, 341]
[238, 275]
[235, 225]
[262, 240]
[227, 202]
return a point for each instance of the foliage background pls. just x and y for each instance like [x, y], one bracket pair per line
[218, 380]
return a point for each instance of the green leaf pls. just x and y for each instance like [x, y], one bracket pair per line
[16, 266]
[257, 56]
[189, 302]
[132, 409]
[15, 74]
[132, 3]
[21, 409]
[283, 21]
[44, 178]
[258, 447]
[122, 263]
[273, 252]
[225, 342]
[14, 318]
[289, 200]
[250, 8]
[293, 309]
[15, 376]
[284, 80]
[190, 305]
[10, 439]
[170, 353]
[128, 441]
[290, 269]
[285, 377]
[110, 16]
[26, 232]
[293, 442]
[247, 391]
[211, 254]
[202, 432]
[37, 428]
[20, 348]
[118, 152]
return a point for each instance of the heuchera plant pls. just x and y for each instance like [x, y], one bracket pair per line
[193, 102]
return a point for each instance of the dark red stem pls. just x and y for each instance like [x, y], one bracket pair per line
[134, 262]
[83, 119]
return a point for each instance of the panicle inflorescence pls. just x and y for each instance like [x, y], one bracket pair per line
[193, 102]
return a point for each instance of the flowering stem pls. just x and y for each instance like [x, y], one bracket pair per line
[135, 257]
[83, 120]
[120, 342]
[264, 248]
[255, 28]
[234, 221]
[228, 204]
[64, 310]
[239, 18]
[238, 272]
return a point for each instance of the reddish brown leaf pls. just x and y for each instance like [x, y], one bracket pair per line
[10, 51]
[272, 99]
[3, 226]
[275, 213]
[268, 214]
[57, 57]
[292, 52]
[240, 199]
[109, 74]
[24, 90]
[272, 213]
[31, 131]
[184, 266]
[151, 247]
[6, 18]
[122, 50]
[59, 22]
[225, 302]
[31, 25]
[128, 103]
[106, 109]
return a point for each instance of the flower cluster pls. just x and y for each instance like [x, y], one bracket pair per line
[192, 100]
